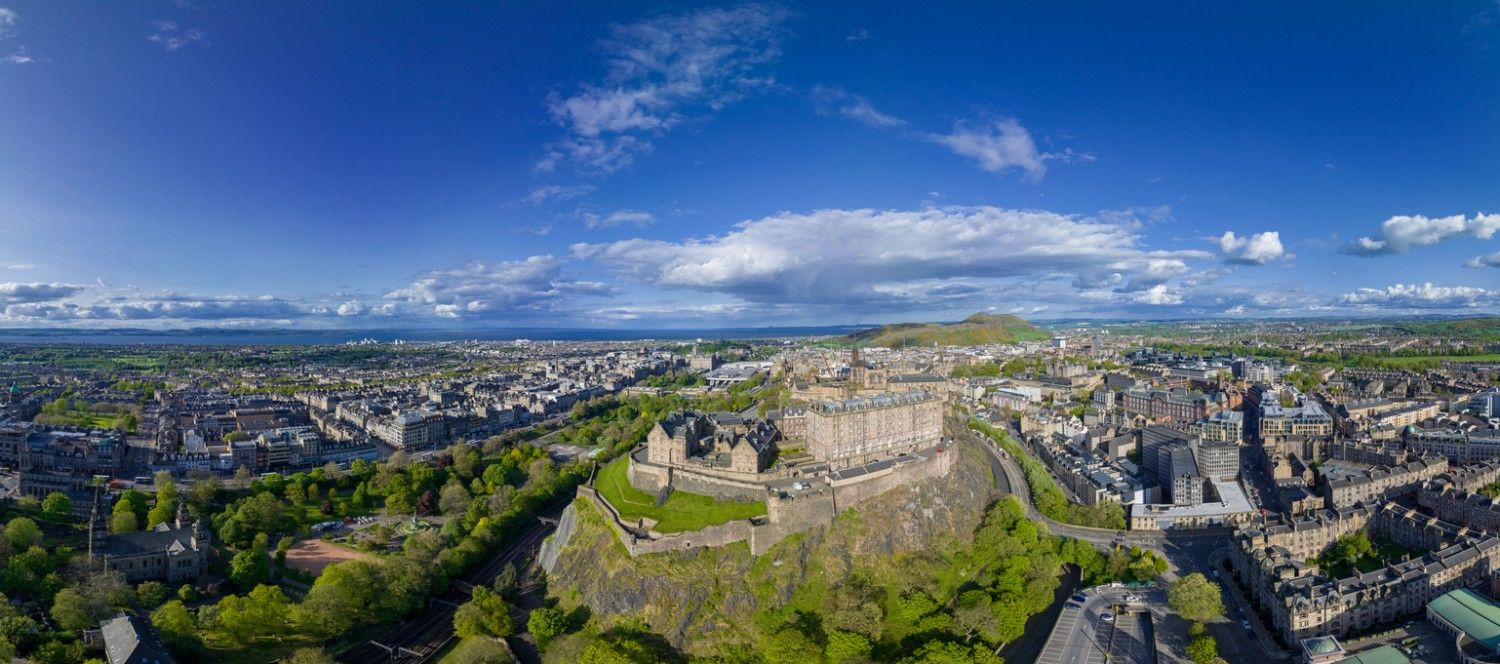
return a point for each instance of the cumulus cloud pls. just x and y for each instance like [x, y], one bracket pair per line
[1158, 295]
[174, 37]
[1257, 249]
[350, 308]
[827, 101]
[18, 293]
[1400, 233]
[1422, 296]
[8, 20]
[874, 256]
[617, 218]
[535, 284]
[558, 193]
[660, 72]
[1491, 260]
[18, 58]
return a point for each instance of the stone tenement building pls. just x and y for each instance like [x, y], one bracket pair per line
[1474, 510]
[1458, 445]
[1169, 405]
[174, 553]
[1308, 535]
[66, 460]
[720, 441]
[1276, 421]
[1303, 603]
[1383, 483]
[855, 431]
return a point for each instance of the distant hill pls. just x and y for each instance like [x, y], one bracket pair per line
[978, 329]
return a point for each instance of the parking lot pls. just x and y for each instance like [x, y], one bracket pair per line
[1111, 625]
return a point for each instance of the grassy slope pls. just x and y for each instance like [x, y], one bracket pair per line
[975, 330]
[682, 511]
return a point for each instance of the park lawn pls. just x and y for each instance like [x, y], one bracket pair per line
[682, 512]
[465, 650]
[1418, 359]
[219, 649]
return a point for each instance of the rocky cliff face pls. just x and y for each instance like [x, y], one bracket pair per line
[702, 599]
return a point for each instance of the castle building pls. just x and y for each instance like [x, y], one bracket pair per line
[722, 441]
[864, 429]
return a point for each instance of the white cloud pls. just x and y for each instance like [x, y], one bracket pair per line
[1158, 295]
[857, 34]
[8, 19]
[998, 146]
[662, 70]
[828, 100]
[1235, 310]
[19, 293]
[533, 284]
[1491, 260]
[1257, 249]
[18, 58]
[174, 37]
[617, 218]
[20, 266]
[558, 193]
[351, 308]
[848, 257]
[1422, 296]
[1400, 233]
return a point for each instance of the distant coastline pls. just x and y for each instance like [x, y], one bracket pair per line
[217, 337]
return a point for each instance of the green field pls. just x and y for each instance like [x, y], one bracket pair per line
[1418, 359]
[682, 511]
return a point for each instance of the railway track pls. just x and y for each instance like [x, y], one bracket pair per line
[422, 635]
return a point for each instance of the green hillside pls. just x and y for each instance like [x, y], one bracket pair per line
[978, 329]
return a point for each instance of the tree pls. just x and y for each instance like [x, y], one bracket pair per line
[123, 522]
[260, 614]
[947, 652]
[22, 533]
[7, 649]
[1196, 598]
[974, 617]
[250, 568]
[485, 614]
[71, 611]
[508, 582]
[241, 476]
[57, 505]
[427, 503]
[1201, 648]
[310, 656]
[846, 647]
[178, 627]
[546, 623]
[151, 593]
[345, 595]
[361, 497]
[454, 500]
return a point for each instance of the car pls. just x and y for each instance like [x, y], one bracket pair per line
[1079, 597]
[1245, 624]
[1108, 617]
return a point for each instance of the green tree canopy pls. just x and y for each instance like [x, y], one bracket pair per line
[1196, 598]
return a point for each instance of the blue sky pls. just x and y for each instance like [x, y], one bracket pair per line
[341, 164]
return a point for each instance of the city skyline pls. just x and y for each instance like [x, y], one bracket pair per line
[190, 164]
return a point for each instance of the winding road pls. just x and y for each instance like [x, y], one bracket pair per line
[1186, 551]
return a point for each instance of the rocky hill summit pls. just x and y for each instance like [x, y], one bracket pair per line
[705, 601]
